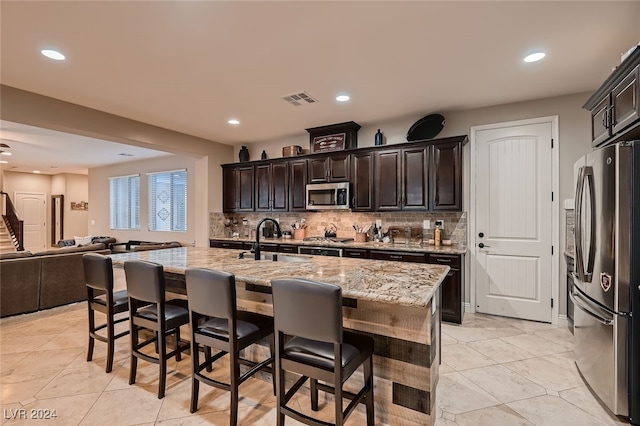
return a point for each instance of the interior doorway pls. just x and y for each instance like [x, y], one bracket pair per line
[514, 219]
[57, 218]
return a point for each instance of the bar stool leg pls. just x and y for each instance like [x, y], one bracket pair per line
[178, 353]
[368, 376]
[162, 357]
[92, 327]
[134, 360]
[314, 394]
[195, 383]
[110, 345]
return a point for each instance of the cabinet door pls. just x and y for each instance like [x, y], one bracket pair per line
[362, 180]
[263, 187]
[387, 170]
[245, 189]
[229, 190]
[317, 168]
[599, 121]
[624, 102]
[298, 185]
[338, 166]
[451, 297]
[446, 177]
[415, 175]
[279, 186]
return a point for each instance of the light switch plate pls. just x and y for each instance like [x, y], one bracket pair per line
[426, 224]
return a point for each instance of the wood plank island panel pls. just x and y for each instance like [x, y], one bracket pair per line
[389, 301]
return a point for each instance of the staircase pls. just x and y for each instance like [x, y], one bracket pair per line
[7, 244]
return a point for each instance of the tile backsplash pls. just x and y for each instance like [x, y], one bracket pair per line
[455, 223]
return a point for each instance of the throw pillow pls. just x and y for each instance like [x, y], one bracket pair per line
[81, 241]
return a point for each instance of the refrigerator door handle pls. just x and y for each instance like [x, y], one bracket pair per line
[578, 225]
[588, 176]
[574, 298]
[577, 292]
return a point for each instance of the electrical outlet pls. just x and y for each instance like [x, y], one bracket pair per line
[426, 224]
[379, 223]
[440, 223]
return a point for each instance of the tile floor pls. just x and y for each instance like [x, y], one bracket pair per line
[495, 371]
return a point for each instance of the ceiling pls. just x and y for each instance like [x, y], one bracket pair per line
[189, 66]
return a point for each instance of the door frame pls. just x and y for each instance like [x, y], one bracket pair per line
[555, 207]
[57, 213]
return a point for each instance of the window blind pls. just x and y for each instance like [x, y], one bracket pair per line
[168, 201]
[124, 192]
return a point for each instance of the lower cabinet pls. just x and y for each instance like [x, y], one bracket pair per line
[452, 287]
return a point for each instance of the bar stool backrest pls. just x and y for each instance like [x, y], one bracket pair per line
[98, 271]
[211, 293]
[145, 281]
[308, 309]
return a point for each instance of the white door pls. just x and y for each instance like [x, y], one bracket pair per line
[513, 226]
[31, 208]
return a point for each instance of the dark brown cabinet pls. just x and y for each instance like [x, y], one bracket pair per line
[615, 106]
[398, 256]
[329, 168]
[298, 185]
[445, 176]
[452, 287]
[401, 179]
[387, 180]
[239, 245]
[356, 253]
[362, 181]
[237, 188]
[272, 186]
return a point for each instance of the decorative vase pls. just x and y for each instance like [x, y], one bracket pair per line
[264, 155]
[244, 154]
[378, 139]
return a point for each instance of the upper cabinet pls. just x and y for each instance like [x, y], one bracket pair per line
[298, 185]
[272, 187]
[237, 188]
[445, 176]
[615, 106]
[329, 168]
[416, 176]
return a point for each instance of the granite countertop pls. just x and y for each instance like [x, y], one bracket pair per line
[398, 283]
[418, 248]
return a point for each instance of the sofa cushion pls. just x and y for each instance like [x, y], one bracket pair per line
[16, 255]
[67, 243]
[83, 241]
[72, 249]
[20, 289]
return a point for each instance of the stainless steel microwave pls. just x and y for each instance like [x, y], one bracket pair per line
[328, 196]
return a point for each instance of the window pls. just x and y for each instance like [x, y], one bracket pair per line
[125, 202]
[168, 201]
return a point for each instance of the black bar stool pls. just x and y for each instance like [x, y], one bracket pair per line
[98, 275]
[216, 323]
[150, 310]
[310, 342]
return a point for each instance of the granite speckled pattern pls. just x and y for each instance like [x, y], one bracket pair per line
[398, 283]
[417, 248]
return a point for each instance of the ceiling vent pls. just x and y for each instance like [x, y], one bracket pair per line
[300, 98]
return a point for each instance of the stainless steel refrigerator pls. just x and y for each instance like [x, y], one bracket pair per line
[606, 285]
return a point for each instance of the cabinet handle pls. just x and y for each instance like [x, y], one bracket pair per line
[354, 254]
[443, 260]
[604, 118]
[392, 256]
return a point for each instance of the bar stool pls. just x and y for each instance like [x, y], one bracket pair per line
[310, 342]
[98, 275]
[216, 323]
[149, 310]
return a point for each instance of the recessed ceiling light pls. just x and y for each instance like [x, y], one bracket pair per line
[534, 57]
[53, 54]
[342, 98]
[5, 153]
[233, 121]
[3, 162]
[36, 171]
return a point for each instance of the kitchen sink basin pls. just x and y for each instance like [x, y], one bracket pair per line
[275, 257]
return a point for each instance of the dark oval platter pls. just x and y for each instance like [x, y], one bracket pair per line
[426, 128]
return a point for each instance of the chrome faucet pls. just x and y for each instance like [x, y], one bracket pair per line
[256, 245]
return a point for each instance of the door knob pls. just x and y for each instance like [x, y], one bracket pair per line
[481, 234]
[481, 245]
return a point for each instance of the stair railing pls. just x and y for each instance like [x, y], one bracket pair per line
[14, 224]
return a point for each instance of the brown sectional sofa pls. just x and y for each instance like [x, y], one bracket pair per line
[42, 280]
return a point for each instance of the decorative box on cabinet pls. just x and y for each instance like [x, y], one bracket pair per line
[615, 106]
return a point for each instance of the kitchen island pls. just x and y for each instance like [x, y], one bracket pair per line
[395, 303]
